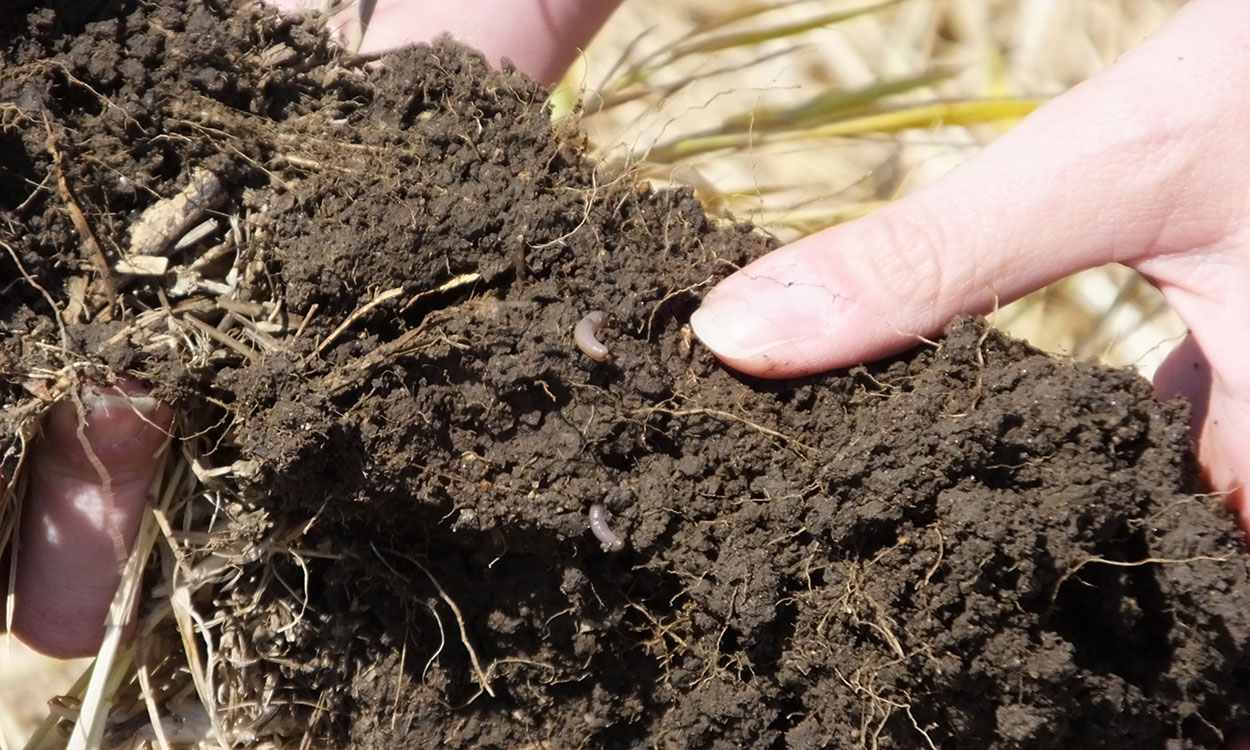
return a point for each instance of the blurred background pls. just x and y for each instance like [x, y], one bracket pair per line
[798, 115]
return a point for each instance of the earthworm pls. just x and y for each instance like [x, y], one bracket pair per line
[599, 517]
[586, 332]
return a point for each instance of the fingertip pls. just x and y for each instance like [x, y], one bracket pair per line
[1185, 373]
[90, 474]
[811, 306]
[1219, 422]
[119, 425]
[540, 37]
[761, 330]
[59, 638]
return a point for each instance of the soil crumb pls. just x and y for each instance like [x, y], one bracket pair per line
[360, 288]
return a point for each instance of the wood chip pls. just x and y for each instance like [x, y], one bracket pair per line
[142, 265]
[166, 221]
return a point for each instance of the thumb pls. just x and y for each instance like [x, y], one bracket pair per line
[540, 37]
[90, 475]
[1113, 170]
[1220, 419]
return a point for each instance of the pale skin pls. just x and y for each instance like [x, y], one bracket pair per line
[1146, 164]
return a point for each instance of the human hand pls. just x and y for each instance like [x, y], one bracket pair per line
[1147, 164]
[88, 478]
[540, 37]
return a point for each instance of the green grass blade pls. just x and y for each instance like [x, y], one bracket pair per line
[831, 105]
[621, 96]
[962, 112]
[701, 41]
[751, 37]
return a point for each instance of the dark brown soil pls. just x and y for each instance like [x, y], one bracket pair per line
[971, 546]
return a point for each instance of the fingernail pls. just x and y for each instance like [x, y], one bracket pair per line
[734, 330]
[748, 318]
[107, 401]
[122, 428]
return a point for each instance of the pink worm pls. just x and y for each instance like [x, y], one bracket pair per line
[586, 333]
[599, 518]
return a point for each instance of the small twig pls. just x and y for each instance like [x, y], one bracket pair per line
[1135, 563]
[382, 297]
[10, 491]
[656, 307]
[1070, 572]
[149, 700]
[77, 217]
[482, 679]
[729, 416]
[220, 337]
[362, 366]
[941, 552]
[461, 280]
[101, 471]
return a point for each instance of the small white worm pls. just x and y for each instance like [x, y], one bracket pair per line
[586, 335]
[608, 539]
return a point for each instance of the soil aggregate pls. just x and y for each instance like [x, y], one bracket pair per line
[971, 545]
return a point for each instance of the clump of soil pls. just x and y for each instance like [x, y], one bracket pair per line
[972, 545]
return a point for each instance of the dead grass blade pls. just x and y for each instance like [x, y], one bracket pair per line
[705, 44]
[707, 39]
